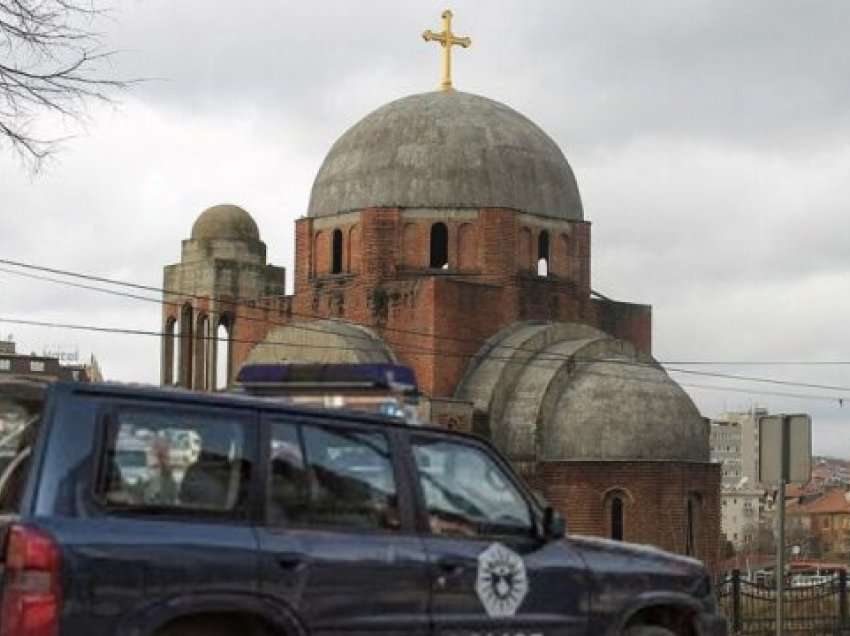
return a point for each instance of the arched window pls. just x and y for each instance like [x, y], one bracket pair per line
[439, 246]
[617, 518]
[223, 352]
[691, 516]
[169, 360]
[185, 377]
[336, 252]
[543, 254]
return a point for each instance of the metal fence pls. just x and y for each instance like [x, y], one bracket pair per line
[810, 609]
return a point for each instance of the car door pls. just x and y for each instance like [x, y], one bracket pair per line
[491, 572]
[142, 541]
[339, 545]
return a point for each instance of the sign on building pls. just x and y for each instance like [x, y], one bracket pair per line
[798, 448]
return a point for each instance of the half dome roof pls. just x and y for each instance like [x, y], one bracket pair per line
[565, 391]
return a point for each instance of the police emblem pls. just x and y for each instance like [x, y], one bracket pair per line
[502, 582]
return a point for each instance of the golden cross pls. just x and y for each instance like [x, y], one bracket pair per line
[447, 39]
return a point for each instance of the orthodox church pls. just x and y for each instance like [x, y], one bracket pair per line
[445, 231]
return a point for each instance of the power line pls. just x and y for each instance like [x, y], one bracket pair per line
[802, 396]
[303, 327]
[729, 376]
[159, 301]
[235, 301]
[126, 331]
[544, 356]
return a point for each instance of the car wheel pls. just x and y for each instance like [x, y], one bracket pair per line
[210, 627]
[648, 630]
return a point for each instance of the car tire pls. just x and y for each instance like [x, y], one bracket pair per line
[209, 627]
[648, 630]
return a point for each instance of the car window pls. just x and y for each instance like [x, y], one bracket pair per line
[188, 462]
[467, 493]
[331, 477]
[19, 422]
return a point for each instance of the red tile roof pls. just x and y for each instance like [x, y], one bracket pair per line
[832, 501]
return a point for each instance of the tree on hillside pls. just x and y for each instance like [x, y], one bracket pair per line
[51, 61]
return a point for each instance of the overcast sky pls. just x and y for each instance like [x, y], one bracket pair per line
[709, 139]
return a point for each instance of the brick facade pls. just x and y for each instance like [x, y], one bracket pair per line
[655, 496]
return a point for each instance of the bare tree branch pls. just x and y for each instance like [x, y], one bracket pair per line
[50, 62]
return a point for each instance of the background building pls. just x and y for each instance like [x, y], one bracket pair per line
[45, 367]
[820, 524]
[735, 444]
[744, 500]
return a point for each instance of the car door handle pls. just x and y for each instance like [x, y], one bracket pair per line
[451, 566]
[290, 561]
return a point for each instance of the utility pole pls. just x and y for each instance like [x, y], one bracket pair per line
[785, 455]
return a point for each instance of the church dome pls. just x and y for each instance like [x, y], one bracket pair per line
[565, 391]
[225, 222]
[446, 149]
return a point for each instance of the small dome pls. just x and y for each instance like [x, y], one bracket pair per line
[564, 391]
[446, 150]
[225, 222]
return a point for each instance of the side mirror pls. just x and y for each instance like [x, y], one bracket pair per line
[554, 525]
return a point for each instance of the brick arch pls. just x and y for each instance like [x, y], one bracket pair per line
[563, 256]
[170, 339]
[353, 254]
[693, 527]
[543, 255]
[524, 249]
[186, 337]
[321, 253]
[202, 349]
[413, 248]
[337, 251]
[467, 247]
[615, 504]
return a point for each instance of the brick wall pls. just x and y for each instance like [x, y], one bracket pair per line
[655, 494]
[436, 320]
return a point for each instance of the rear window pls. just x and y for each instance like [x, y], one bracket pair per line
[20, 416]
[183, 463]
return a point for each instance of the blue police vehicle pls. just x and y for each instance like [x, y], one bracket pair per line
[294, 521]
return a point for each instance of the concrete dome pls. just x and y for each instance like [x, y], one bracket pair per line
[616, 409]
[225, 222]
[446, 150]
[565, 391]
[321, 341]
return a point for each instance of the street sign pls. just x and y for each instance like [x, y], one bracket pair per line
[785, 455]
[799, 448]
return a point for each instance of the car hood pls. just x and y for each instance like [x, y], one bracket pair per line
[621, 570]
